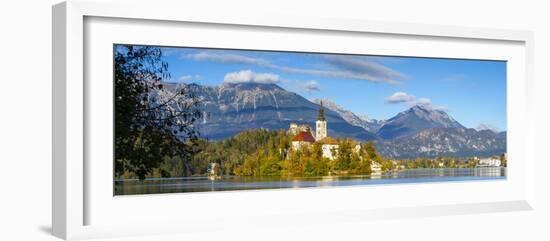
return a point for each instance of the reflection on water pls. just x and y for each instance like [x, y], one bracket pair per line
[203, 184]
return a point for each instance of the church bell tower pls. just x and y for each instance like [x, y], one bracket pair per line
[321, 125]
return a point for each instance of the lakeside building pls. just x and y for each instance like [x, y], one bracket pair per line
[329, 147]
[295, 128]
[375, 167]
[304, 136]
[489, 162]
[321, 124]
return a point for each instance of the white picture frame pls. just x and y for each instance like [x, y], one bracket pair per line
[73, 188]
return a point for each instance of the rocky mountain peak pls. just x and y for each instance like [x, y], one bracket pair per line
[250, 86]
[371, 125]
[415, 119]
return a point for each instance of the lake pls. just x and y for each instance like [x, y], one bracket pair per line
[203, 184]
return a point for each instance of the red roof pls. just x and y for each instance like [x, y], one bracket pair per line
[304, 136]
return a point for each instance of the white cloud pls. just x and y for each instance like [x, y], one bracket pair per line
[359, 67]
[427, 103]
[226, 58]
[248, 76]
[310, 86]
[185, 78]
[411, 100]
[422, 101]
[484, 126]
[399, 97]
[343, 66]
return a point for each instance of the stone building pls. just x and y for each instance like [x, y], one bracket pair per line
[304, 137]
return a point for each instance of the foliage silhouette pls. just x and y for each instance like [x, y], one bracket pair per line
[150, 126]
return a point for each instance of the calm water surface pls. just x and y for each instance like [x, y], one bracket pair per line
[203, 184]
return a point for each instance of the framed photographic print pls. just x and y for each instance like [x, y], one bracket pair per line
[216, 118]
[252, 119]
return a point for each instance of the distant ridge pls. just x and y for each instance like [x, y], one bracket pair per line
[417, 132]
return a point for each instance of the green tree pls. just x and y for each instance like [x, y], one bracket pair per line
[364, 163]
[149, 127]
[344, 155]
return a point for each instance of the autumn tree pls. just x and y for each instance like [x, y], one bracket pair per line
[150, 122]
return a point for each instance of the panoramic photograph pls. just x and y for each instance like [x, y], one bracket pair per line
[192, 119]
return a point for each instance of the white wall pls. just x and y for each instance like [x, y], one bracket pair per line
[25, 119]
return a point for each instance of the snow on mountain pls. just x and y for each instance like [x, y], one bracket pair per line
[371, 125]
[435, 142]
[417, 132]
[235, 107]
[416, 119]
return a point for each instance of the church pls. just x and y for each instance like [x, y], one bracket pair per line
[305, 137]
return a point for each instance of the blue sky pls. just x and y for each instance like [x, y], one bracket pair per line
[471, 91]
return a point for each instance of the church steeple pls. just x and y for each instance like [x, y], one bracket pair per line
[321, 124]
[321, 116]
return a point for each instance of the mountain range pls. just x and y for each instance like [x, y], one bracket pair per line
[235, 107]
[417, 132]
